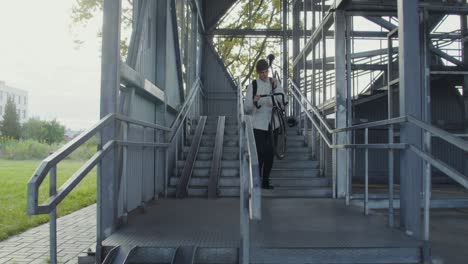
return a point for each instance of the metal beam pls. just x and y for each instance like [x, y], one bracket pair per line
[410, 104]
[315, 38]
[381, 22]
[340, 155]
[107, 194]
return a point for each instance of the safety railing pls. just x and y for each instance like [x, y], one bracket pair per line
[49, 167]
[188, 113]
[425, 154]
[250, 189]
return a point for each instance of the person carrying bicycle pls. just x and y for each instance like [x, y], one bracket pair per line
[261, 117]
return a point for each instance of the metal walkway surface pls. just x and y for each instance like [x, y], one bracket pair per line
[286, 223]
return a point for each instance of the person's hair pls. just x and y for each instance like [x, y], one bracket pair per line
[262, 65]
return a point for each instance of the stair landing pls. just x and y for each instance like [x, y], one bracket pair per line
[286, 223]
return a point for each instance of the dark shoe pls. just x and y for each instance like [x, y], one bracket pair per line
[267, 185]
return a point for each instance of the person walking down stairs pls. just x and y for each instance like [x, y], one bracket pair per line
[261, 118]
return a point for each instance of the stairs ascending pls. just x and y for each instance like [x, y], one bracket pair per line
[229, 178]
[298, 175]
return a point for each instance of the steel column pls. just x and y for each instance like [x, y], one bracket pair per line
[296, 76]
[391, 155]
[349, 107]
[340, 155]
[107, 195]
[313, 86]
[464, 34]
[304, 68]
[285, 45]
[410, 104]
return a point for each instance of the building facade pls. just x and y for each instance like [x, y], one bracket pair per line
[20, 97]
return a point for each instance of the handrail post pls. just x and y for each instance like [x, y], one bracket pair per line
[427, 183]
[427, 196]
[366, 195]
[53, 216]
[391, 176]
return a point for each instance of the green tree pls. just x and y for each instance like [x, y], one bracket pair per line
[238, 53]
[10, 127]
[241, 53]
[43, 131]
[85, 10]
[33, 129]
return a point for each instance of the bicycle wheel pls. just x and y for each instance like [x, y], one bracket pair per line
[278, 132]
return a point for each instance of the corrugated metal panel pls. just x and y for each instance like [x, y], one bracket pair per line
[217, 84]
[140, 162]
[147, 53]
[446, 111]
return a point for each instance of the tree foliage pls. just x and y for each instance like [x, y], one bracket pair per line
[10, 126]
[241, 53]
[238, 53]
[43, 131]
[83, 11]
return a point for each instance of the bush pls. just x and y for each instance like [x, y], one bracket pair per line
[33, 149]
[48, 131]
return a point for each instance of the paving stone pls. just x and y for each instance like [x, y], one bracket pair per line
[75, 234]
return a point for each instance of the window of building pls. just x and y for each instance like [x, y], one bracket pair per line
[19, 99]
[25, 99]
[24, 113]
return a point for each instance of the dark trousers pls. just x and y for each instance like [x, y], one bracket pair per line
[265, 153]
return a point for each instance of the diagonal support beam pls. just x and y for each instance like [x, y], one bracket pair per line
[381, 22]
[315, 38]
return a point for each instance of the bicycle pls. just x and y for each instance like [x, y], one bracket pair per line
[277, 131]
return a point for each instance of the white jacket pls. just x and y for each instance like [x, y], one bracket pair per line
[261, 117]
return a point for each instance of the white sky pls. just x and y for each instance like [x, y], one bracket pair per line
[37, 54]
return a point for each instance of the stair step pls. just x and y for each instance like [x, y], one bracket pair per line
[296, 143]
[299, 181]
[205, 172]
[297, 156]
[203, 191]
[284, 173]
[283, 192]
[209, 149]
[207, 164]
[209, 156]
[295, 164]
[300, 149]
[343, 255]
[203, 181]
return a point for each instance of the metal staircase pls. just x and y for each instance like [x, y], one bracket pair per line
[228, 185]
[297, 175]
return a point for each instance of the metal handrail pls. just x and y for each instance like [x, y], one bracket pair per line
[49, 166]
[426, 156]
[250, 191]
[52, 160]
[48, 163]
[184, 110]
[456, 141]
[250, 149]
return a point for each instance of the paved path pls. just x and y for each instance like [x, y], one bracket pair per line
[76, 232]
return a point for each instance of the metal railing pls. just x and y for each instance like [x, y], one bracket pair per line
[425, 155]
[49, 167]
[250, 189]
[192, 102]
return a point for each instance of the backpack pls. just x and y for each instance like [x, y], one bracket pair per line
[254, 86]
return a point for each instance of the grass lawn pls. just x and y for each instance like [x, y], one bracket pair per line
[14, 176]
